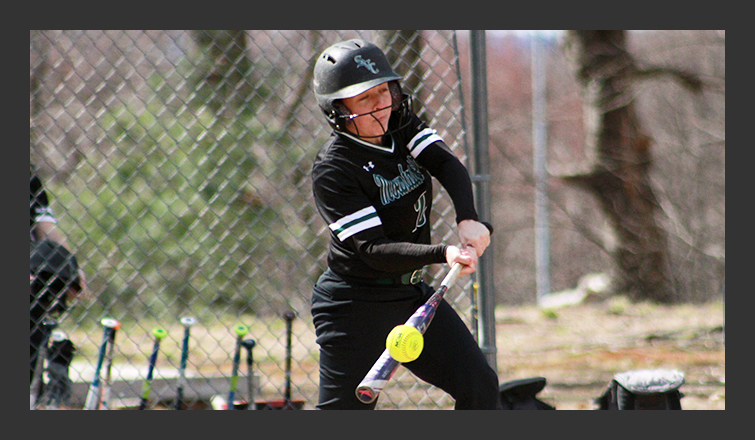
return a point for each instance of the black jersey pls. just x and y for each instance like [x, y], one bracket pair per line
[39, 205]
[377, 199]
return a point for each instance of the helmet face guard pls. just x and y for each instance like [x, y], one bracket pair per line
[348, 69]
[401, 108]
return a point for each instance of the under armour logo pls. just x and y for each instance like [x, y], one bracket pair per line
[369, 166]
[367, 64]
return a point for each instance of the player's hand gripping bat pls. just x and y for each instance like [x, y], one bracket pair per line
[384, 368]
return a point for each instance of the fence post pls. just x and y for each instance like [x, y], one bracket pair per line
[481, 181]
[540, 148]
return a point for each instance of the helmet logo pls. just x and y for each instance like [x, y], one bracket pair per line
[367, 64]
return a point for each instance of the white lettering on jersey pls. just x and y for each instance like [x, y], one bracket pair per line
[402, 185]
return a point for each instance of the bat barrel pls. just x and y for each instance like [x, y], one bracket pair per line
[383, 369]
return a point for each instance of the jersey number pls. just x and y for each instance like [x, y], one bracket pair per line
[420, 206]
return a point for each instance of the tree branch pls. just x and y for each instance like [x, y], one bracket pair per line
[688, 80]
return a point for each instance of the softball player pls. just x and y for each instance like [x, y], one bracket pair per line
[372, 184]
[55, 276]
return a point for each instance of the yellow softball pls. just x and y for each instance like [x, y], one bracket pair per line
[404, 343]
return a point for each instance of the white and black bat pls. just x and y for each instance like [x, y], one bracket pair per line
[384, 368]
[108, 368]
[187, 322]
[159, 334]
[94, 395]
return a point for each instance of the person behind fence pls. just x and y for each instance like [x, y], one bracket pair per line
[55, 278]
[372, 185]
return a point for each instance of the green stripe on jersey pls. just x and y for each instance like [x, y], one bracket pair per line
[359, 221]
[422, 140]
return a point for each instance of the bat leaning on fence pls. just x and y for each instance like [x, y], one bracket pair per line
[289, 317]
[159, 334]
[241, 330]
[249, 345]
[187, 322]
[106, 403]
[94, 395]
[383, 369]
[286, 403]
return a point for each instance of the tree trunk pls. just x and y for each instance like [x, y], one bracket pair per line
[227, 69]
[618, 174]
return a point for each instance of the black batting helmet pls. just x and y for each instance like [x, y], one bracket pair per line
[347, 69]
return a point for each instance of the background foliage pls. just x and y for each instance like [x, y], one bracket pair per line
[178, 165]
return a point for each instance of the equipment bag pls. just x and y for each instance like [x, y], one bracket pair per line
[59, 358]
[522, 394]
[643, 390]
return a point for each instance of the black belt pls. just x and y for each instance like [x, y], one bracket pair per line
[406, 279]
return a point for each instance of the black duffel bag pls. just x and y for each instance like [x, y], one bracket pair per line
[643, 390]
[521, 394]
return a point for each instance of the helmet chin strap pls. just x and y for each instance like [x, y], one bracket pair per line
[401, 109]
[353, 116]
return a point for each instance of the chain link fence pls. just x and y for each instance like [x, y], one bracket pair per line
[178, 163]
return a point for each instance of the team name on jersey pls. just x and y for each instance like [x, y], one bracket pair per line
[403, 184]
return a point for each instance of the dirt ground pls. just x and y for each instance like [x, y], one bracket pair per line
[578, 349]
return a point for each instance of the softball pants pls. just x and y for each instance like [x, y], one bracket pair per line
[352, 322]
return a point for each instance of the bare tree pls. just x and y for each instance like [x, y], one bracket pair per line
[227, 68]
[619, 159]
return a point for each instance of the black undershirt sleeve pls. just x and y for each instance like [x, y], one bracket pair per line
[391, 256]
[443, 164]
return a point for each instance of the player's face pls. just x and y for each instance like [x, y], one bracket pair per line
[373, 108]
